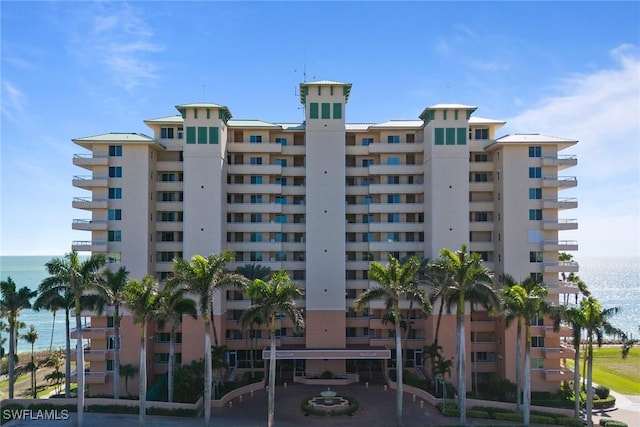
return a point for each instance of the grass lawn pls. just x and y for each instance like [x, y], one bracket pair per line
[610, 370]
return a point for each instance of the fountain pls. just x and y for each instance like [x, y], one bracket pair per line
[328, 401]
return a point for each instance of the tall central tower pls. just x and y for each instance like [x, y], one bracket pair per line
[324, 103]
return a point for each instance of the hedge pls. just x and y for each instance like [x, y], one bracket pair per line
[566, 421]
[542, 419]
[474, 413]
[509, 417]
[612, 423]
[609, 402]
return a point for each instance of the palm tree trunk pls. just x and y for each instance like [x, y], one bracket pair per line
[440, 311]
[67, 356]
[172, 353]
[215, 333]
[142, 389]
[272, 374]
[208, 376]
[33, 375]
[527, 373]
[576, 380]
[116, 361]
[589, 378]
[399, 380]
[53, 328]
[460, 367]
[518, 363]
[79, 362]
[12, 354]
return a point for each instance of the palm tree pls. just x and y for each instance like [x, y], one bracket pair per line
[128, 371]
[142, 300]
[269, 300]
[436, 278]
[470, 281]
[525, 302]
[10, 305]
[203, 276]
[513, 308]
[397, 281]
[254, 271]
[31, 337]
[575, 317]
[245, 323]
[73, 278]
[53, 300]
[114, 295]
[54, 361]
[172, 305]
[596, 324]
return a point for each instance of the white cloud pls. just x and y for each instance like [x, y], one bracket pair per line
[601, 110]
[13, 101]
[119, 40]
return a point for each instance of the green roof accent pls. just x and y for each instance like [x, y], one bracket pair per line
[223, 112]
[427, 114]
[304, 88]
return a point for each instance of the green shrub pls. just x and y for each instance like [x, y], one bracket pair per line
[609, 402]
[50, 406]
[327, 375]
[542, 419]
[508, 417]
[602, 392]
[492, 410]
[474, 413]
[612, 423]
[450, 410]
[113, 409]
[565, 421]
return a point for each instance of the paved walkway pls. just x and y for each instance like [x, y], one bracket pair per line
[377, 409]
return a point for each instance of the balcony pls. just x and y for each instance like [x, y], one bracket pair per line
[555, 353]
[246, 147]
[394, 208]
[481, 186]
[91, 355]
[88, 246]
[562, 288]
[562, 162]
[89, 160]
[560, 224]
[89, 225]
[91, 377]
[250, 169]
[396, 169]
[90, 333]
[560, 245]
[395, 188]
[255, 188]
[561, 374]
[89, 181]
[561, 267]
[169, 166]
[560, 181]
[254, 207]
[560, 203]
[89, 203]
[563, 331]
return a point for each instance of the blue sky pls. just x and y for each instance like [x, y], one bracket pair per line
[73, 69]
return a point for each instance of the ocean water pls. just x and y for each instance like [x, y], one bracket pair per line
[614, 281]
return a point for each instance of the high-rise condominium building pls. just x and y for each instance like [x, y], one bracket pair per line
[322, 199]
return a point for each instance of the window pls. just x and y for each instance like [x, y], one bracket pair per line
[256, 198]
[481, 177]
[191, 135]
[337, 110]
[367, 141]
[439, 136]
[114, 257]
[393, 139]
[110, 322]
[535, 193]
[535, 151]
[281, 219]
[109, 365]
[536, 277]
[115, 150]
[483, 356]
[180, 133]
[115, 214]
[256, 217]
[367, 219]
[537, 363]
[166, 133]
[393, 179]
[393, 161]
[393, 217]
[281, 237]
[281, 141]
[115, 235]
[367, 162]
[535, 214]
[281, 181]
[393, 198]
[256, 179]
[368, 200]
[410, 138]
[393, 237]
[256, 237]
[481, 134]
[256, 256]
[313, 110]
[115, 193]
[480, 158]
[326, 110]
[115, 171]
[256, 160]
[537, 321]
[535, 256]
[281, 162]
[255, 139]
[281, 200]
[537, 342]
[367, 237]
[535, 172]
